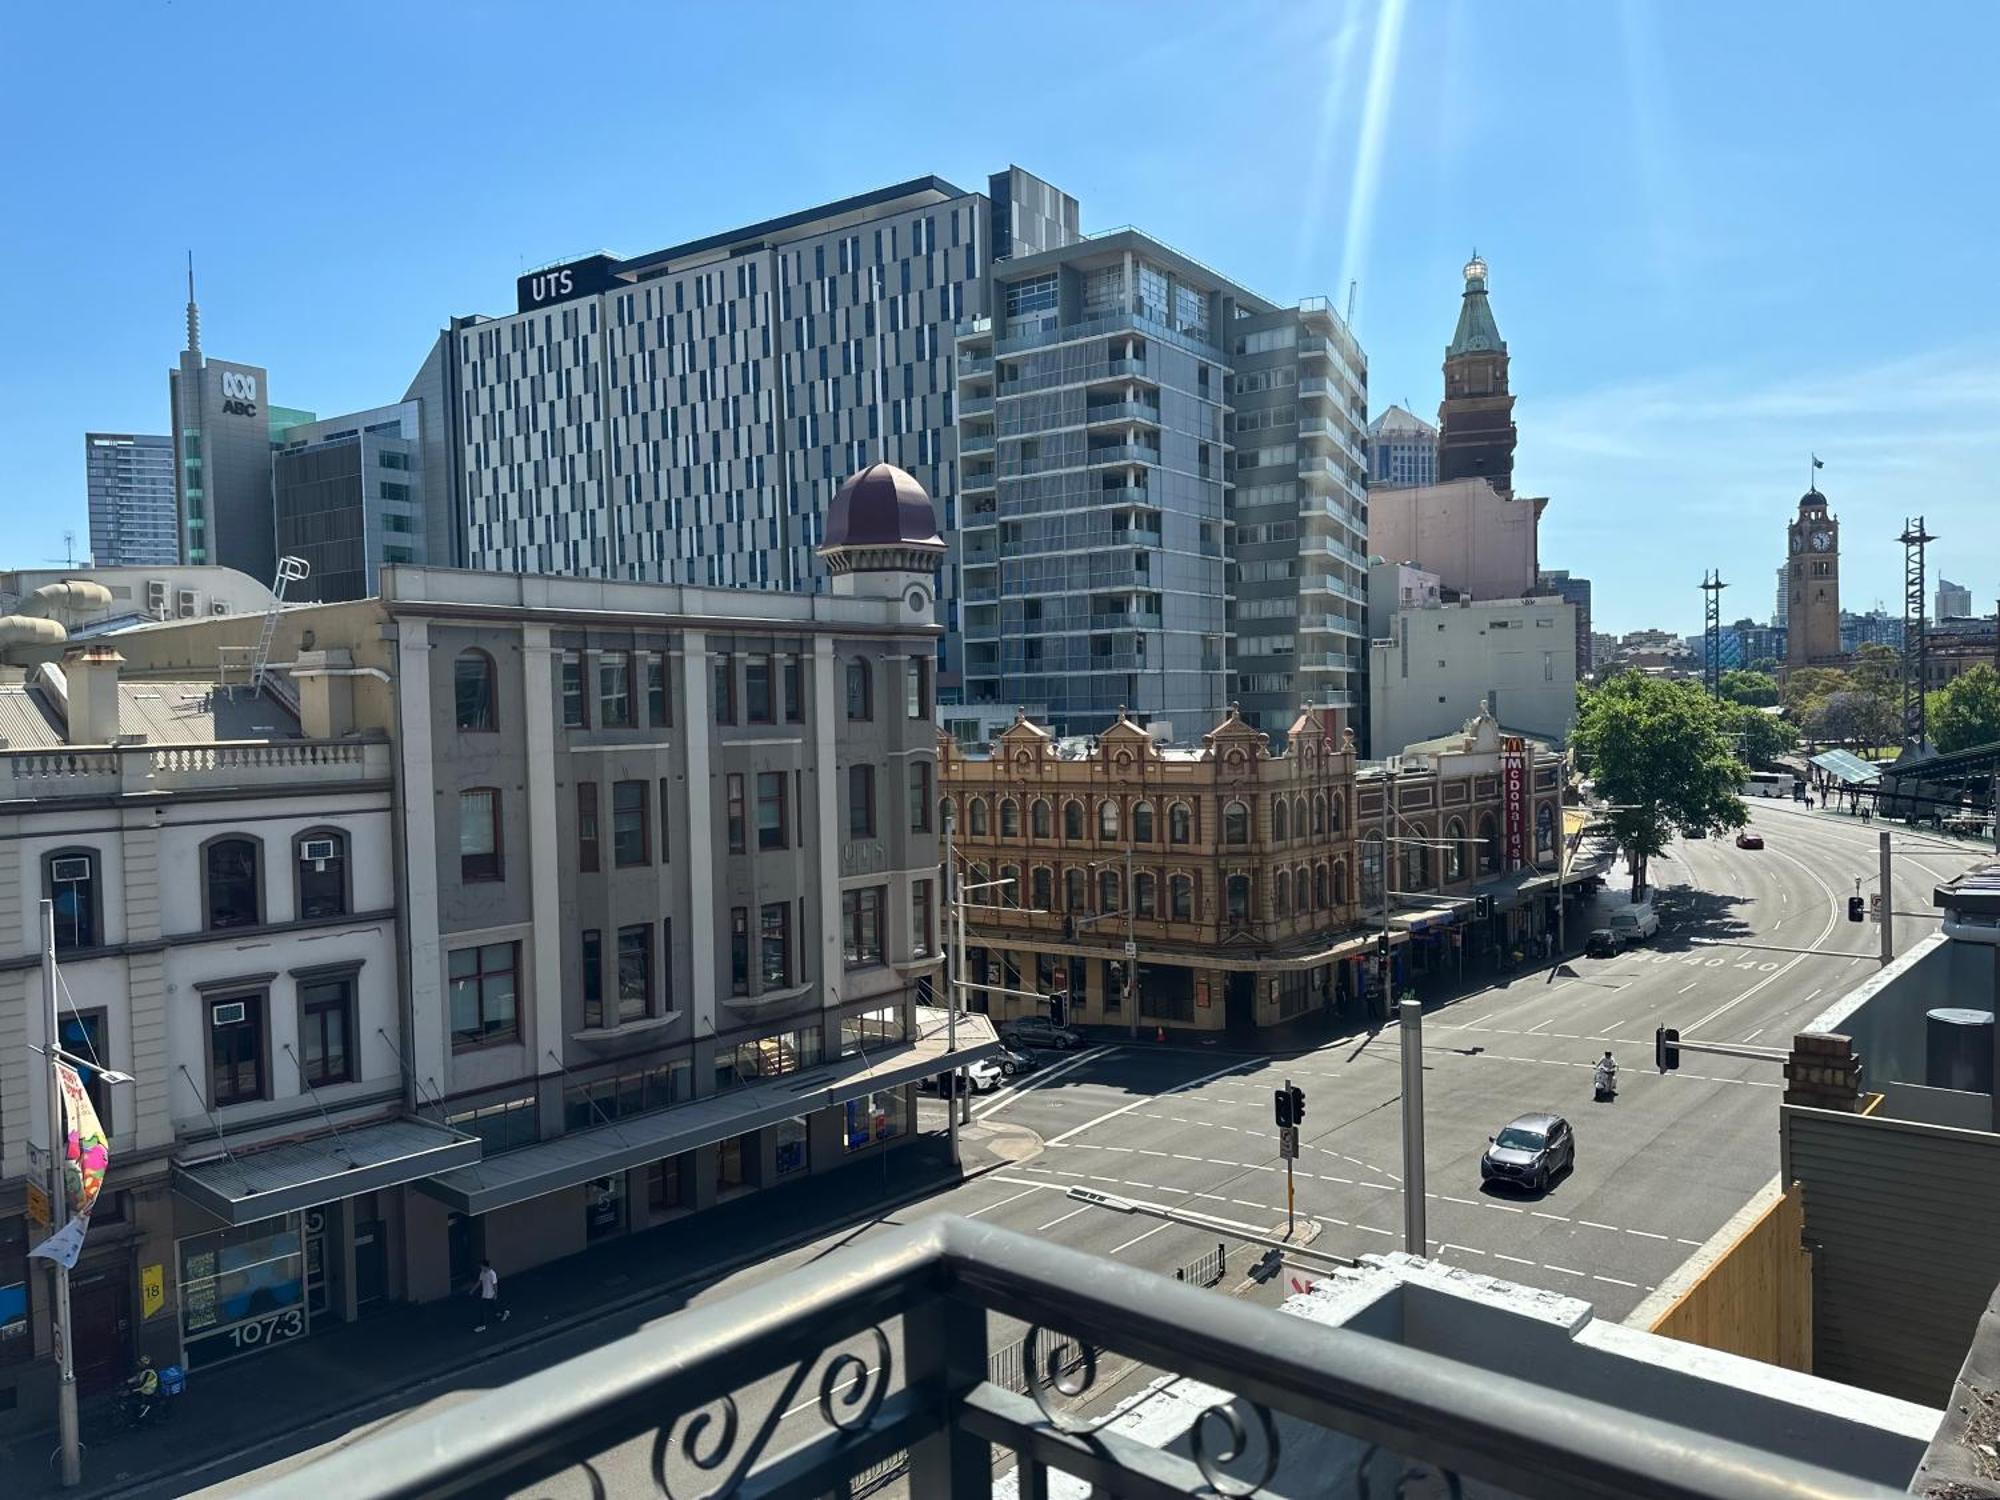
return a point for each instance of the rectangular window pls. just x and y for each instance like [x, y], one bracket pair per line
[72, 888]
[860, 691]
[789, 1140]
[916, 695]
[575, 711]
[81, 1034]
[795, 691]
[236, 1053]
[757, 690]
[322, 869]
[635, 972]
[861, 802]
[586, 825]
[734, 785]
[659, 714]
[484, 994]
[629, 824]
[775, 940]
[325, 1031]
[771, 823]
[920, 796]
[739, 950]
[724, 674]
[593, 977]
[614, 690]
[666, 1184]
[922, 937]
[665, 809]
[479, 835]
[861, 926]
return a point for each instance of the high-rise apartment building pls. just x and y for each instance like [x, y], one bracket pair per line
[1781, 615]
[1402, 450]
[349, 496]
[1574, 591]
[1954, 600]
[129, 478]
[687, 416]
[1163, 493]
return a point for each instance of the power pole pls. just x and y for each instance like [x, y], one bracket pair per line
[954, 964]
[64, 1335]
[1711, 588]
[1888, 901]
[1415, 1238]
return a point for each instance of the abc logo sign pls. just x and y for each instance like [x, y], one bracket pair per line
[239, 393]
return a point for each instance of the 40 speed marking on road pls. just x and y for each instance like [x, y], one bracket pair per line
[1704, 962]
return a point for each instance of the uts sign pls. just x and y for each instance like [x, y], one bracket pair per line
[239, 393]
[1514, 798]
[552, 284]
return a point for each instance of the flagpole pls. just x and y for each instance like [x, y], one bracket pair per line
[59, 1328]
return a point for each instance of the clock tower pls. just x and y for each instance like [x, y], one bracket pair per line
[1812, 585]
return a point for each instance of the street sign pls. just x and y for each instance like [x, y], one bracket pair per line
[1288, 1143]
[38, 1206]
[1131, 950]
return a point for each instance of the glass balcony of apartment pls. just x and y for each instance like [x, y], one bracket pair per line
[1100, 413]
[1100, 372]
[975, 406]
[974, 366]
[1124, 619]
[974, 329]
[979, 550]
[980, 593]
[975, 442]
[972, 480]
[1193, 340]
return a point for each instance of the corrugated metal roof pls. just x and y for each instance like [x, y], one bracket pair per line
[23, 725]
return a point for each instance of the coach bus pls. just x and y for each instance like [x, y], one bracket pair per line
[1769, 784]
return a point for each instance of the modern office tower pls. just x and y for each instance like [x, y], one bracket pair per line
[1781, 615]
[686, 416]
[349, 495]
[1097, 456]
[130, 482]
[1954, 600]
[1574, 591]
[1402, 449]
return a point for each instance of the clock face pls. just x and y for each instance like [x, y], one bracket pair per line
[1822, 540]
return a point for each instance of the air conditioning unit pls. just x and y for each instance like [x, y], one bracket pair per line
[316, 852]
[184, 603]
[156, 598]
[231, 1014]
[62, 871]
[218, 606]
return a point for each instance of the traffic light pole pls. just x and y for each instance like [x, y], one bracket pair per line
[1291, 1199]
[1888, 917]
[1415, 1238]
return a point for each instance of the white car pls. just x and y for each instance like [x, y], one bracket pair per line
[1634, 924]
[982, 1077]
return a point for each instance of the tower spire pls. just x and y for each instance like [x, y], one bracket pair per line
[193, 312]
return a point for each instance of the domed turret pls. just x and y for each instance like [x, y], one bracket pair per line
[882, 537]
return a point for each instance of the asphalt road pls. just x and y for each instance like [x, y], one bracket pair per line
[1755, 944]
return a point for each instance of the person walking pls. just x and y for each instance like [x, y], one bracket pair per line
[486, 1292]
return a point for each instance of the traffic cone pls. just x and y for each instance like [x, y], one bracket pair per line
[1159, 1033]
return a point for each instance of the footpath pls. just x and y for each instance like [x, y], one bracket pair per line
[240, 1416]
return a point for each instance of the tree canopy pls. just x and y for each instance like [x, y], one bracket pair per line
[1753, 689]
[1663, 752]
[1965, 712]
[1760, 737]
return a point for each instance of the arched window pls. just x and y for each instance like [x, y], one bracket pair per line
[976, 875]
[1416, 864]
[1010, 818]
[232, 883]
[1142, 823]
[1545, 830]
[1142, 895]
[1181, 891]
[1073, 819]
[320, 860]
[1107, 890]
[1107, 819]
[1236, 824]
[1041, 819]
[977, 817]
[1339, 812]
[1339, 882]
[1319, 813]
[1238, 900]
[1180, 824]
[475, 691]
[1489, 845]
[1075, 892]
[1300, 821]
[69, 877]
[1302, 893]
[1371, 870]
[1008, 895]
[1454, 854]
[1281, 896]
[1045, 888]
[1281, 819]
[860, 690]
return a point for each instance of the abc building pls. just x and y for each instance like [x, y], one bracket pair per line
[224, 429]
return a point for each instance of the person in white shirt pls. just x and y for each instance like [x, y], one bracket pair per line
[486, 1292]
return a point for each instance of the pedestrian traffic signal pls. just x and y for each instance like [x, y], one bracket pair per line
[1854, 908]
[1281, 1107]
[1298, 1103]
[1667, 1049]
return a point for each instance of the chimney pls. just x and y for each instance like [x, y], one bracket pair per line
[326, 693]
[1823, 1072]
[92, 676]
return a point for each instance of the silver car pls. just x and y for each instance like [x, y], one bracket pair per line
[1529, 1152]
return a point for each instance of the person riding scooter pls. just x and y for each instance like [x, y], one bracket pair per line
[1606, 1078]
[143, 1390]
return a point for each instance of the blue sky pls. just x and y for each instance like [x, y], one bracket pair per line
[1721, 236]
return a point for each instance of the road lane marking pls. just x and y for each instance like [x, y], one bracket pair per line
[1008, 1095]
[1832, 920]
[1646, 1234]
[1063, 1219]
[1560, 1219]
[1004, 1201]
[1468, 1202]
[1518, 1260]
[1120, 1249]
[1126, 1109]
[1613, 1280]
[1686, 987]
[1562, 1270]
[1593, 1224]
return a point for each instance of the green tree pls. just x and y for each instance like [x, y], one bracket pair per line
[1760, 737]
[1807, 690]
[1966, 711]
[1754, 689]
[1878, 677]
[1663, 752]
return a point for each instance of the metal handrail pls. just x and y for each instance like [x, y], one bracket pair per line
[828, 1325]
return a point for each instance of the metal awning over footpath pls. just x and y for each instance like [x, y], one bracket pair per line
[242, 1187]
[1847, 768]
[578, 1157]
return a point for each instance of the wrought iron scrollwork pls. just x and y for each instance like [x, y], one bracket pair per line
[1069, 1368]
[1230, 1414]
[850, 1392]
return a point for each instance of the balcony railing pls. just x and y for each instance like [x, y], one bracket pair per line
[26, 775]
[880, 1360]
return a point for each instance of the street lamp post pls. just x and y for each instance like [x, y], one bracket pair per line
[60, 1331]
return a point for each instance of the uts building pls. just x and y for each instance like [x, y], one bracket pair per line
[687, 416]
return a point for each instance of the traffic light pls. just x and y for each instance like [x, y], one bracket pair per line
[1281, 1107]
[1854, 908]
[1666, 1049]
[1298, 1104]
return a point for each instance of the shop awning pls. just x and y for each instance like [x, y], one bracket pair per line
[568, 1160]
[245, 1186]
